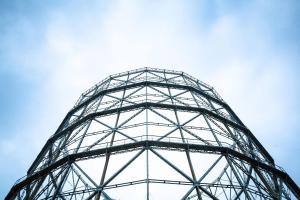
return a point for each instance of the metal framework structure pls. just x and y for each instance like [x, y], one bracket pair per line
[153, 134]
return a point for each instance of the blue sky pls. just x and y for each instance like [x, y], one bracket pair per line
[52, 51]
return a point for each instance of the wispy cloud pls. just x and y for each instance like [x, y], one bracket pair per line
[54, 51]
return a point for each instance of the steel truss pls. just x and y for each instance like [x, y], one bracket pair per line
[153, 134]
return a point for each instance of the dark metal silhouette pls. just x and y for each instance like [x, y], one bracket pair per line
[153, 134]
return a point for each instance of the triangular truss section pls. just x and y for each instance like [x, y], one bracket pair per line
[153, 134]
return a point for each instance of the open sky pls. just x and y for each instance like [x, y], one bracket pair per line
[52, 51]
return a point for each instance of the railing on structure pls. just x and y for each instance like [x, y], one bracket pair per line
[101, 86]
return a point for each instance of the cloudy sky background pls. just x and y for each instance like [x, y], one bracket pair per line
[52, 51]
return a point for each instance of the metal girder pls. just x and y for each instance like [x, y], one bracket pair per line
[146, 144]
[109, 119]
[187, 87]
[167, 85]
[154, 105]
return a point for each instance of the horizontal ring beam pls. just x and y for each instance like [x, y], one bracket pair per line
[156, 144]
[147, 83]
[151, 105]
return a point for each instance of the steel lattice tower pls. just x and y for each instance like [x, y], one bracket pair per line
[153, 134]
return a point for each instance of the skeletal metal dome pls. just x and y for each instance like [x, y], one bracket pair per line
[153, 134]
